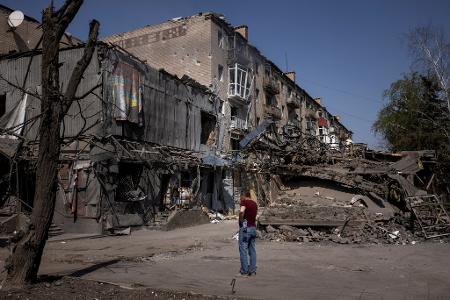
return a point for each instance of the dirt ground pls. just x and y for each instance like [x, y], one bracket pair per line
[72, 288]
[204, 260]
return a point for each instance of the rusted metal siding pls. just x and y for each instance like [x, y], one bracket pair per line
[172, 109]
[15, 69]
[172, 117]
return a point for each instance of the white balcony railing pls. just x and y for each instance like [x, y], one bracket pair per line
[237, 123]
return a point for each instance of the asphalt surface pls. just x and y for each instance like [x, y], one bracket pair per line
[204, 259]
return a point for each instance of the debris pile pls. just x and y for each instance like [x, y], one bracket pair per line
[378, 198]
[317, 212]
[387, 233]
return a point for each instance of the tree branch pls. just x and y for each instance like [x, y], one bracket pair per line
[23, 90]
[90, 91]
[81, 66]
[65, 15]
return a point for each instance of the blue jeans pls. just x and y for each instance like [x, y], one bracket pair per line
[247, 248]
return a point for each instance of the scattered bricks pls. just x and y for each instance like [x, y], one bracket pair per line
[301, 232]
[270, 229]
[287, 229]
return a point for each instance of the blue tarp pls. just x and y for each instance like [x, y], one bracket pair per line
[255, 133]
[213, 160]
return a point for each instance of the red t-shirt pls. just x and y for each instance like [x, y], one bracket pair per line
[251, 209]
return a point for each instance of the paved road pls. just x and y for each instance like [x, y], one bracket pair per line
[204, 259]
[289, 271]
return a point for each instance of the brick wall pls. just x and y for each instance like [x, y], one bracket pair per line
[180, 47]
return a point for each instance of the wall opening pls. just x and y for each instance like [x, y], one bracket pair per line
[220, 72]
[208, 122]
[2, 104]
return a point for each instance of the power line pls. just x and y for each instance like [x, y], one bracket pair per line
[350, 115]
[342, 91]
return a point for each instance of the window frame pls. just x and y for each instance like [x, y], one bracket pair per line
[240, 81]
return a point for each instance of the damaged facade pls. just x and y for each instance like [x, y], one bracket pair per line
[257, 99]
[251, 87]
[143, 140]
[138, 133]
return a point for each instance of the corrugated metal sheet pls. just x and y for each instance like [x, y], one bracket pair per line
[172, 109]
[14, 70]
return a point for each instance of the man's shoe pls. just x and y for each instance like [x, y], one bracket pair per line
[252, 274]
[243, 275]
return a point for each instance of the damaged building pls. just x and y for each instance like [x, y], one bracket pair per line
[141, 140]
[252, 90]
[250, 86]
[185, 114]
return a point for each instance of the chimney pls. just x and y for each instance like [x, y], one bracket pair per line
[318, 100]
[290, 75]
[242, 30]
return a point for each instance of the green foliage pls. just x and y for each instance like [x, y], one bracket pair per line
[414, 117]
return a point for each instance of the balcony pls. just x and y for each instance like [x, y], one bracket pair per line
[240, 83]
[273, 111]
[238, 124]
[271, 86]
[293, 102]
[309, 113]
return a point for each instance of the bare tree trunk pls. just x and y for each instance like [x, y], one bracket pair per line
[432, 50]
[23, 264]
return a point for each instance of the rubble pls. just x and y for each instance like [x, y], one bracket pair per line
[384, 233]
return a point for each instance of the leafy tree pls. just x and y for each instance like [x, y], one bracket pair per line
[414, 118]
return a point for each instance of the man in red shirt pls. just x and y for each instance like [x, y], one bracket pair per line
[247, 234]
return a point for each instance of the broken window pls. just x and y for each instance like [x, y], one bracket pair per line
[311, 126]
[323, 133]
[234, 144]
[234, 111]
[267, 70]
[2, 104]
[220, 72]
[271, 99]
[240, 81]
[256, 68]
[208, 122]
[220, 39]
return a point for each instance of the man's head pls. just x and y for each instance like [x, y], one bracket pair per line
[246, 194]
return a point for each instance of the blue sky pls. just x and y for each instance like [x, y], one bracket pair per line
[347, 52]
